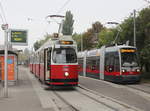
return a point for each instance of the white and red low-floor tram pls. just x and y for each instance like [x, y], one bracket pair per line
[55, 63]
[116, 63]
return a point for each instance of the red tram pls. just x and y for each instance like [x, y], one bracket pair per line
[55, 63]
[116, 63]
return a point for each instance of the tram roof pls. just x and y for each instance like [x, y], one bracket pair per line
[120, 46]
[52, 41]
[96, 52]
[117, 47]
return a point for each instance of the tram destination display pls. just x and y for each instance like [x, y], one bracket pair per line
[18, 37]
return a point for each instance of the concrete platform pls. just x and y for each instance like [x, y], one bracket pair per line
[22, 97]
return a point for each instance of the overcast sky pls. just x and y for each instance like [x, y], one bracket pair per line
[85, 13]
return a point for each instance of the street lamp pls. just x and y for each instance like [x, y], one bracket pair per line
[134, 21]
[116, 23]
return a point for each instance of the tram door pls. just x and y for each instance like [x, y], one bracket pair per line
[47, 62]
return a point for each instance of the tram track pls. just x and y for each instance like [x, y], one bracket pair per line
[59, 95]
[123, 105]
[71, 107]
[95, 99]
[138, 87]
[147, 85]
[107, 103]
[140, 90]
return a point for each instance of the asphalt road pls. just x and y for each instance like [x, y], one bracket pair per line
[119, 92]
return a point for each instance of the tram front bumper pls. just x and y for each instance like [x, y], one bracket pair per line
[71, 82]
[131, 78]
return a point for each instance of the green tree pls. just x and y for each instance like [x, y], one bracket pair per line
[95, 30]
[36, 45]
[77, 38]
[142, 35]
[143, 28]
[97, 27]
[39, 43]
[106, 36]
[87, 38]
[143, 41]
[127, 31]
[90, 37]
[145, 57]
[68, 24]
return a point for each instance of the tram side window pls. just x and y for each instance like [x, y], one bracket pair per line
[80, 61]
[112, 61]
[31, 60]
[116, 62]
[35, 59]
[48, 59]
[42, 57]
[107, 62]
[97, 62]
[71, 56]
[88, 63]
[91, 63]
[38, 58]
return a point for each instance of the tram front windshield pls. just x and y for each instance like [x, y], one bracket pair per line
[129, 57]
[64, 55]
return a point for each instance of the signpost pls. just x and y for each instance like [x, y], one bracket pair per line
[5, 28]
[18, 37]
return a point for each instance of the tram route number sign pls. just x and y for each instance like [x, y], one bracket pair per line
[18, 37]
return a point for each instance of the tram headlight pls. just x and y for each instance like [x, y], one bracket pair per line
[137, 70]
[123, 70]
[66, 74]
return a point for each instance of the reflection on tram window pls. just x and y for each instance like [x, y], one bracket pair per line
[64, 55]
[129, 59]
[112, 61]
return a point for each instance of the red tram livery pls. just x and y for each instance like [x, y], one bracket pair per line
[55, 63]
[116, 63]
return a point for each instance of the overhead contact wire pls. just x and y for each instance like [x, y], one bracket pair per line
[3, 13]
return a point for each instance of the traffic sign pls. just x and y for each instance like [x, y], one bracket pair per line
[18, 37]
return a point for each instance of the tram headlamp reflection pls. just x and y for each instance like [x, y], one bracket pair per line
[66, 74]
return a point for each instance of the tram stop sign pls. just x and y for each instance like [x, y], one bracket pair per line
[18, 37]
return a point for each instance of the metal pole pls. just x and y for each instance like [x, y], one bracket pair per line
[81, 43]
[5, 69]
[116, 37]
[60, 27]
[134, 28]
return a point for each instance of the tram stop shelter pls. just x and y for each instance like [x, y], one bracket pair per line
[12, 66]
